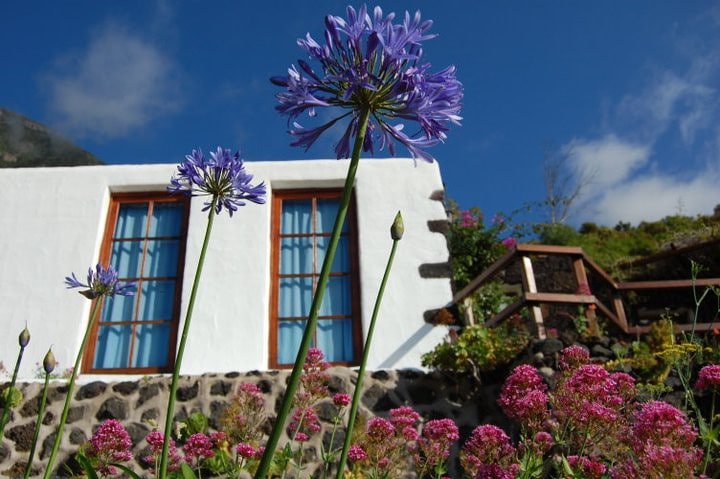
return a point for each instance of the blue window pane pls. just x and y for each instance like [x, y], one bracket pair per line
[156, 300]
[131, 221]
[334, 338]
[295, 297]
[336, 301]
[289, 335]
[126, 258]
[113, 346]
[296, 255]
[151, 345]
[162, 257]
[296, 217]
[166, 219]
[326, 213]
[341, 262]
[118, 308]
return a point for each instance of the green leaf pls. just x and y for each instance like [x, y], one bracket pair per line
[187, 473]
[87, 466]
[127, 471]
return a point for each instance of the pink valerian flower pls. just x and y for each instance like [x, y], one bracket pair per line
[356, 453]
[662, 442]
[509, 242]
[243, 417]
[495, 471]
[588, 404]
[542, 442]
[572, 358]
[590, 468]
[341, 399]
[197, 448]
[155, 441]
[709, 377]
[304, 423]
[314, 379]
[110, 443]
[438, 436]
[379, 428]
[246, 451]
[403, 419]
[488, 451]
[524, 397]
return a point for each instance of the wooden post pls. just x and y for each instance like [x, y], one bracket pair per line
[528, 280]
[581, 278]
[467, 306]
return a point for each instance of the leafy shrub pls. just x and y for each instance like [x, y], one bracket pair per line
[480, 348]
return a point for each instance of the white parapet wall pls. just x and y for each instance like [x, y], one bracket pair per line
[52, 223]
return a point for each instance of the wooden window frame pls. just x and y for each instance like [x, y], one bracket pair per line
[116, 200]
[351, 218]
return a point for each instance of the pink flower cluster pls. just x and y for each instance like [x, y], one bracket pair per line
[155, 441]
[709, 377]
[109, 444]
[572, 358]
[404, 419]
[314, 379]
[588, 467]
[197, 448]
[509, 242]
[467, 219]
[662, 445]
[304, 423]
[488, 453]
[524, 397]
[438, 436]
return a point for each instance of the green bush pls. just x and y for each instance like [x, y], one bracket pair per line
[479, 348]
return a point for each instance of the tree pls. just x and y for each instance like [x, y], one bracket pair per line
[564, 182]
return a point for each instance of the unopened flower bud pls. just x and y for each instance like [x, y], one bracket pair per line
[397, 229]
[49, 362]
[24, 337]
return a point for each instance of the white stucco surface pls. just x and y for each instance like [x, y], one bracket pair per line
[52, 222]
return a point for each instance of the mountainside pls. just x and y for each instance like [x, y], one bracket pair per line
[26, 143]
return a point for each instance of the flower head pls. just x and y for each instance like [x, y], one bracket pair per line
[488, 453]
[341, 399]
[222, 177]
[110, 444]
[368, 64]
[198, 447]
[101, 282]
[524, 397]
[155, 441]
[709, 377]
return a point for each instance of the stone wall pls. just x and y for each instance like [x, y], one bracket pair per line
[139, 405]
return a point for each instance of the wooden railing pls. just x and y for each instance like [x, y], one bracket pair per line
[530, 297]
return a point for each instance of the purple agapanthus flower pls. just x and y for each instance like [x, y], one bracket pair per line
[222, 176]
[101, 282]
[367, 62]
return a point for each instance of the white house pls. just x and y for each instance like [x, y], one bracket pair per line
[258, 276]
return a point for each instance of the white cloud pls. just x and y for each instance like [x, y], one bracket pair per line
[606, 161]
[659, 153]
[653, 197]
[119, 83]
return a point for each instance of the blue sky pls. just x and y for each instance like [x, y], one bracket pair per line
[627, 90]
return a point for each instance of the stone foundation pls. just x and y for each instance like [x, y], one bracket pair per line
[140, 406]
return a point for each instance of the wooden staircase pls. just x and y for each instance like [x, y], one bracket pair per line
[611, 307]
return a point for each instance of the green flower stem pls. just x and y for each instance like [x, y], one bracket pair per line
[38, 423]
[709, 440]
[162, 471]
[71, 387]
[361, 372]
[264, 466]
[8, 393]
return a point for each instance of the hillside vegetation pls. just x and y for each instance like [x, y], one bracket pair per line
[27, 143]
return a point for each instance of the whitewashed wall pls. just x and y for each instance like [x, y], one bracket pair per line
[52, 222]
